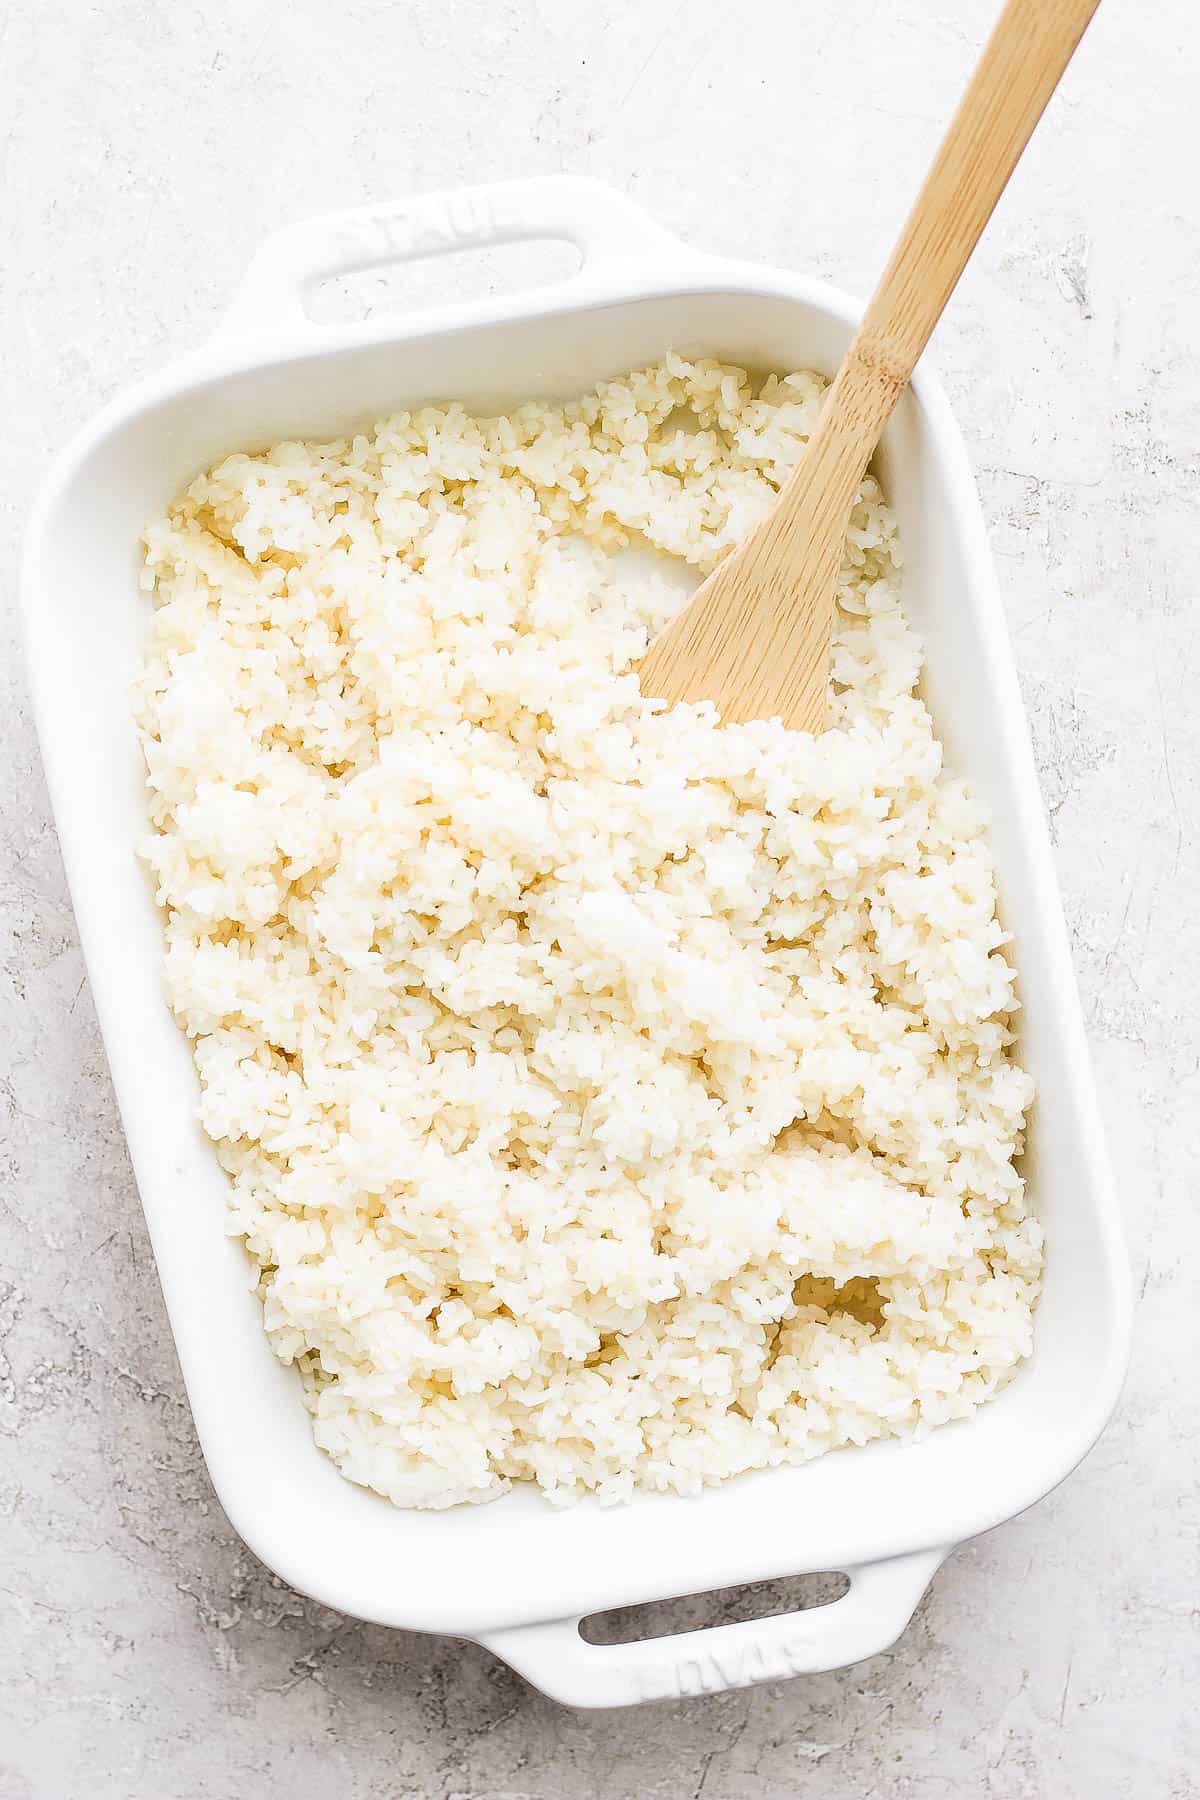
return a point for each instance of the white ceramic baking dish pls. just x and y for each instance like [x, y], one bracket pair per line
[517, 1575]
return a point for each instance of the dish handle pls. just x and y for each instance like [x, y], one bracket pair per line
[604, 225]
[869, 1617]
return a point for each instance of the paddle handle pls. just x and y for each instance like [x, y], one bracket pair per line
[1022, 64]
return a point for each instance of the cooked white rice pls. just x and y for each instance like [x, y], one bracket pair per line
[610, 1098]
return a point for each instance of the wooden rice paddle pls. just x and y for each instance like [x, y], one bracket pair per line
[754, 638]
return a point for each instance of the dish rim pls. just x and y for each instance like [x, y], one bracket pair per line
[658, 269]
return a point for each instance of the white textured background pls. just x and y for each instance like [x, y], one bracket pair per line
[144, 151]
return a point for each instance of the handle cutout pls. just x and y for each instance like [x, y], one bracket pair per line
[441, 277]
[741, 1605]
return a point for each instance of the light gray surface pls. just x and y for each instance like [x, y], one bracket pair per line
[145, 151]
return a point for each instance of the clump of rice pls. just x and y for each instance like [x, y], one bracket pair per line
[610, 1098]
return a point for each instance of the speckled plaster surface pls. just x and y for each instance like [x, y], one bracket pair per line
[144, 151]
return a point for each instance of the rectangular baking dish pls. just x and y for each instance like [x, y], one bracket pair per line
[517, 1575]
